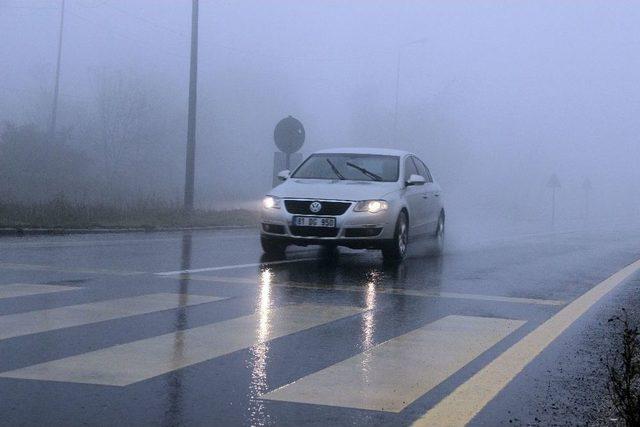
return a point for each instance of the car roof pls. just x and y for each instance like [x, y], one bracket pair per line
[364, 150]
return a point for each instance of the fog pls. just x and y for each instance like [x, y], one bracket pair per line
[495, 96]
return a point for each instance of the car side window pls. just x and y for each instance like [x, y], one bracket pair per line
[423, 169]
[409, 169]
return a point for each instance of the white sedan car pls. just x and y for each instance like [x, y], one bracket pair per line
[365, 198]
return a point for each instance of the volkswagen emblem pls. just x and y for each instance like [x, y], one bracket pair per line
[315, 207]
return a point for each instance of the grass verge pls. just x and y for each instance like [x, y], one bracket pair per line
[62, 213]
[624, 371]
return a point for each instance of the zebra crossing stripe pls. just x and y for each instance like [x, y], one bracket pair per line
[32, 322]
[13, 290]
[391, 375]
[136, 361]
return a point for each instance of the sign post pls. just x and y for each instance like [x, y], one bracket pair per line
[586, 186]
[554, 184]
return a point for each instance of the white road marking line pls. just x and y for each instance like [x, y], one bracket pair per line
[391, 375]
[31, 322]
[129, 363]
[398, 291]
[466, 401]
[40, 267]
[108, 242]
[231, 267]
[23, 289]
[480, 297]
[517, 237]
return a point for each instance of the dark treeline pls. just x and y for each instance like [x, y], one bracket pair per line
[496, 99]
[117, 149]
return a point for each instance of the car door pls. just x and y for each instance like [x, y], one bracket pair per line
[431, 196]
[415, 199]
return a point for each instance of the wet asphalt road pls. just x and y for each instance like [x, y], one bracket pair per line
[201, 329]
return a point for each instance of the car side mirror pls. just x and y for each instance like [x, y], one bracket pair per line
[283, 175]
[416, 180]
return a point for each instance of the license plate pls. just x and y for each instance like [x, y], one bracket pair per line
[314, 221]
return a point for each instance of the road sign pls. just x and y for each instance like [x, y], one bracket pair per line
[289, 135]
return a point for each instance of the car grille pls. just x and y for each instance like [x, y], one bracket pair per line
[301, 207]
[313, 231]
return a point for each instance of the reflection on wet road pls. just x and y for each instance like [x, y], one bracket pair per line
[201, 329]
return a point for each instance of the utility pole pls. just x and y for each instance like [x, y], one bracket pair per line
[553, 208]
[191, 120]
[54, 111]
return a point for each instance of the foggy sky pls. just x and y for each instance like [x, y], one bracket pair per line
[500, 95]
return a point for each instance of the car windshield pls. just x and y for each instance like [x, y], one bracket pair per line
[354, 167]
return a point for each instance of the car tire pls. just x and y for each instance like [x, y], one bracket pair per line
[272, 247]
[396, 249]
[438, 238]
[329, 248]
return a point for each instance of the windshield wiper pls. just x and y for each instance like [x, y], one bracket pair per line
[366, 172]
[335, 169]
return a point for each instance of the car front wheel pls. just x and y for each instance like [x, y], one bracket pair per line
[438, 244]
[396, 249]
[272, 247]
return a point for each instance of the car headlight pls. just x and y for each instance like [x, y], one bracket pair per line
[371, 206]
[271, 202]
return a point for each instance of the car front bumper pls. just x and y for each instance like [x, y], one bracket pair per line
[353, 229]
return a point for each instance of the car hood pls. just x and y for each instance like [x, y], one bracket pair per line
[332, 189]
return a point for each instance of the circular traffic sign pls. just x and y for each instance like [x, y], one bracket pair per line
[289, 135]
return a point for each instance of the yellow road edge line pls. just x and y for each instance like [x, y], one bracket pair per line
[466, 401]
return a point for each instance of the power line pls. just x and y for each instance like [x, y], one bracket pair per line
[99, 4]
[247, 52]
[28, 7]
[242, 51]
[79, 3]
[235, 49]
[114, 33]
[146, 21]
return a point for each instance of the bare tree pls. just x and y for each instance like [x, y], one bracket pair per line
[123, 119]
